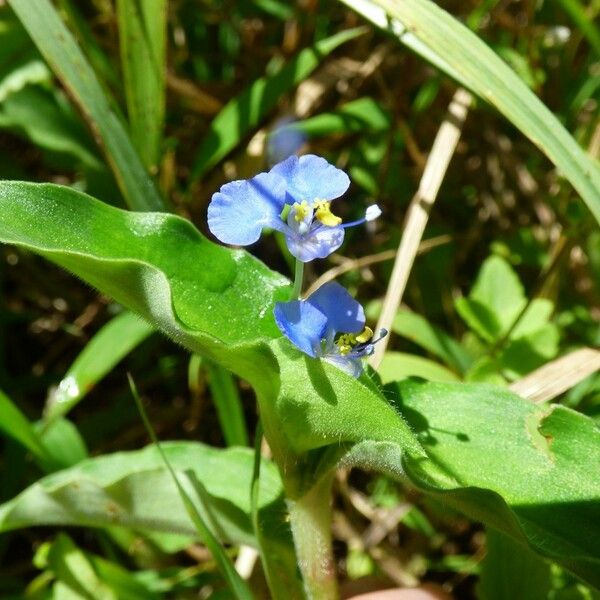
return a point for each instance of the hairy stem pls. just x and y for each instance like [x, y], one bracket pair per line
[310, 518]
[298, 279]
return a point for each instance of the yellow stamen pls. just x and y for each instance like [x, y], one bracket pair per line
[365, 336]
[324, 214]
[347, 341]
[300, 210]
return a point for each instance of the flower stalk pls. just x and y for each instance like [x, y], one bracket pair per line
[310, 519]
[298, 280]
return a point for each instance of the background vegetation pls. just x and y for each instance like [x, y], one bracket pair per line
[507, 278]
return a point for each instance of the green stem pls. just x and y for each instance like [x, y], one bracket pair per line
[298, 279]
[310, 518]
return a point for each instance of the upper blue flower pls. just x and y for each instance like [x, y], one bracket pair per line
[329, 324]
[304, 185]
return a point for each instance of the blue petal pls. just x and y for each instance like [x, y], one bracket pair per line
[351, 366]
[319, 243]
[343, 312]
[310, 177]
[241, 209]
[303, 324]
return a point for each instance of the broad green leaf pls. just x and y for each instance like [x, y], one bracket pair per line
[400, 365]
[245, 112]
[49, 123]
[442, 40]
[20, 62]
[101, 354]
[134, 489]
[495, 301]
[531, 472]
[73, 569]
[125, 585]
[142, 36]
[318, 405]
[359, 116]
[497, 309]
[15, 424]
[215, 301]
[62, 53]
[158, 265]
[524, 354]
[510, 571]
[63, 443]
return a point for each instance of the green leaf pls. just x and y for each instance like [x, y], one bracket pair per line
[584, 20]
[215, 301]
[15, 424]
[442, 40]
[510, 571]
[363, 115]
[20, 62]
[135, 490]
[531, 472]
[226, 398]
[73, 569]
[197, 504]
[101, 354]
[419, 330]
[63, 443]
[319, 405]
[495, 300]
[124, 584]
[158, 265]
[400, 365]
[62, 53]
[49, 124]
[142, 35]
[245, 112]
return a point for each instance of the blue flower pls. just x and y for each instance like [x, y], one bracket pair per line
[294, 197]
[329, 324]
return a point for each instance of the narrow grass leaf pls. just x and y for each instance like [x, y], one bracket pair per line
[439, 38]
[101, 354]
[584, 20]
[60, 49]
[237, 585]
[142, 35]
[226, 398]
[16, 425]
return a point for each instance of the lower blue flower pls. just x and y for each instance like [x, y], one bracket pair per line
[294, 197]
[330, 325]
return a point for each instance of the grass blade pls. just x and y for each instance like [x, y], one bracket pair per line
[243, 113]
[227, 401]
[15, 424]
[439, 38]
[101, 354]
[142, 34]
[60, 49]
[236, 583]
[583, 21]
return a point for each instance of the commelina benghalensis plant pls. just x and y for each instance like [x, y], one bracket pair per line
[295, 197]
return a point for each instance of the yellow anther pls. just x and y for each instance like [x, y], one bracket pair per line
[365, 336]
[345, 349]
[324, 214]
[300, 210]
